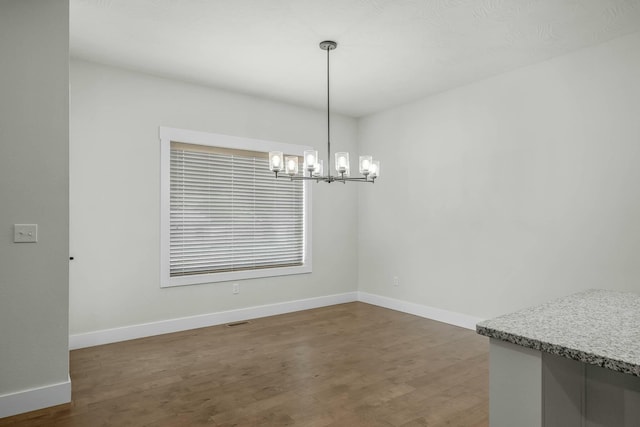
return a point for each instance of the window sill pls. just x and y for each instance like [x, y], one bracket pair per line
[196, 279]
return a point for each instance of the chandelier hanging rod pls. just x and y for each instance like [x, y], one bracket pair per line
[278, 163]
[328, 45]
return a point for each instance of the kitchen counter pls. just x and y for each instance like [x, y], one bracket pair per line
[596, 327]
[572, 362]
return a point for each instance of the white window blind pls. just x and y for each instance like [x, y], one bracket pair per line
[228, 212]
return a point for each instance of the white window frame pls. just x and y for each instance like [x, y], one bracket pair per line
[167, 135]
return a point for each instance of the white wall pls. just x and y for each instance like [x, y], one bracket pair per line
[115, 187]
[510, 191]
[34, 189]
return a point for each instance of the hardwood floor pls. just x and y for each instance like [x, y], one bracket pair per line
[346, 365]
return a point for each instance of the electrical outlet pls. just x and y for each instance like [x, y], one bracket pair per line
[236, 288]
[396, 281]
[25, 233]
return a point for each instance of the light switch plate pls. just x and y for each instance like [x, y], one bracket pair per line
[25, 233]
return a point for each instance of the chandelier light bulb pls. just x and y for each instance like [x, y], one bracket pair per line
[291, 165]
[365, 164]
[318, 169]
[342, 162]
[310, 160]
[275, 161]
[374, 172]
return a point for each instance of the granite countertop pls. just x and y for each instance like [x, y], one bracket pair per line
[597, 327]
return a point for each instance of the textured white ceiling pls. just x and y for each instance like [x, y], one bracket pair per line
[389, 51]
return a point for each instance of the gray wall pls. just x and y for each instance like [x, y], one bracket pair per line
[510, 191]
[34, 188]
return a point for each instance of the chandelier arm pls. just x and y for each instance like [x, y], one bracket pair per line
[354, 179]
[301, 178]
[325, 179]
[362, 180]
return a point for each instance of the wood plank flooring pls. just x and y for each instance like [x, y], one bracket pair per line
[346, 365]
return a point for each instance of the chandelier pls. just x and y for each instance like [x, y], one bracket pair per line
[312, 168]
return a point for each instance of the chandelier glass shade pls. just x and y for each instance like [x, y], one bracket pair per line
[312, 167]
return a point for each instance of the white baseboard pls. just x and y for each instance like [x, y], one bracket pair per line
[125, 333]
[107, 336]
[35, 398]
[450, 317]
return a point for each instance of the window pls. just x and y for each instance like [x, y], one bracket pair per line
[224, 216]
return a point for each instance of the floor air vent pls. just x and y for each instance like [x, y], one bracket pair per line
[245, 322]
